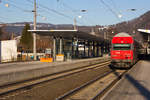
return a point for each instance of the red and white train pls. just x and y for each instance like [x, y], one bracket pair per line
[124, 50]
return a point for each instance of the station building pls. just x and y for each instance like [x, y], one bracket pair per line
[74, 44]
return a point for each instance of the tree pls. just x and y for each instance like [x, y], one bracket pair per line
[26, 40]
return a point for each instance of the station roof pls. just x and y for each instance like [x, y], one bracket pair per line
[69, 34]
[144, 30]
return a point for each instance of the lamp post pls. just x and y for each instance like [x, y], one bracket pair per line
[75, 22]
[34, 34]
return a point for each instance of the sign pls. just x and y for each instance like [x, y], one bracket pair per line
[48, 51]
[46, 59]
[60, 57]
[121, 45]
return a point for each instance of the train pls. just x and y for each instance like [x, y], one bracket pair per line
[124, 50]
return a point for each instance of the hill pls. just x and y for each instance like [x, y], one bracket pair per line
[130, 26]
[127, 26]
[16, 28]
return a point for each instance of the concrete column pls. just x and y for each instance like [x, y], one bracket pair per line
[84, 48]
[34, 46]
[88, 49]
[97, 49]
[34, 34]
[102, 49]
[77, 49]
[93, 49]
[72, 47]
[54, 48]
[109, 47]
[60, 46]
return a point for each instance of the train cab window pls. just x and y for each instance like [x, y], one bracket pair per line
[121, 46]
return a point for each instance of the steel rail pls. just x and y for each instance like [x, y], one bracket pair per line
[29, 83]
[101, 93]
[83, 86]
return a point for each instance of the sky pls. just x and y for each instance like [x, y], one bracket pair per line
[97, 12]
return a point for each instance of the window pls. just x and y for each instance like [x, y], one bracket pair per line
[121, 46]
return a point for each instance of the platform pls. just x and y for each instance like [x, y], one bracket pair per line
[20, 71]
[135, 85]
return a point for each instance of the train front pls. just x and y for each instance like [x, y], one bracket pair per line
[122, 50]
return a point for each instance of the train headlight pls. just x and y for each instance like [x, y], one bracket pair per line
[114, 55]
[128, 56]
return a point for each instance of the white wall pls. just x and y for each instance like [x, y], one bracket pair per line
[8, 50]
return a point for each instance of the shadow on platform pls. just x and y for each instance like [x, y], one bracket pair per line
[136, 83]
[143, 90]
[144, 57]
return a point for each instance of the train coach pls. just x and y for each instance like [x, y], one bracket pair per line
[124, 51]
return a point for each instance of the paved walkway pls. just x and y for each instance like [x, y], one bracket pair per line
[135, 85]
[18, 66]
[20, 71]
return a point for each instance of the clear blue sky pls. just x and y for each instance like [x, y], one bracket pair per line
[99, 12]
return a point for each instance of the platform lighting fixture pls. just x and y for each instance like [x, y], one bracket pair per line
[79, 16]
[132, 9]
[119, 15]
[83, 10]
[6, 5]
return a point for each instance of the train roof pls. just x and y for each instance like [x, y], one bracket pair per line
[122, 38]
[122, 34]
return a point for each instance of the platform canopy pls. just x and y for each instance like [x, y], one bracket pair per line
[69, 34]
[144, 30]
[145, 34]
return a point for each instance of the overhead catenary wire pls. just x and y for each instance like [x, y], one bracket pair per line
[75, 12]
[78, 12]
[120, 12]
[40, 6]
[49, 10]
[117, 10]
[9, 3]
[19, 8]
[43, 10]
[52, 10]
[2, 19]
[110, 9]
[86, 19]
[115, 6]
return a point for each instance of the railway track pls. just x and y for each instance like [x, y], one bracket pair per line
[10, 89]
[94, 89]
